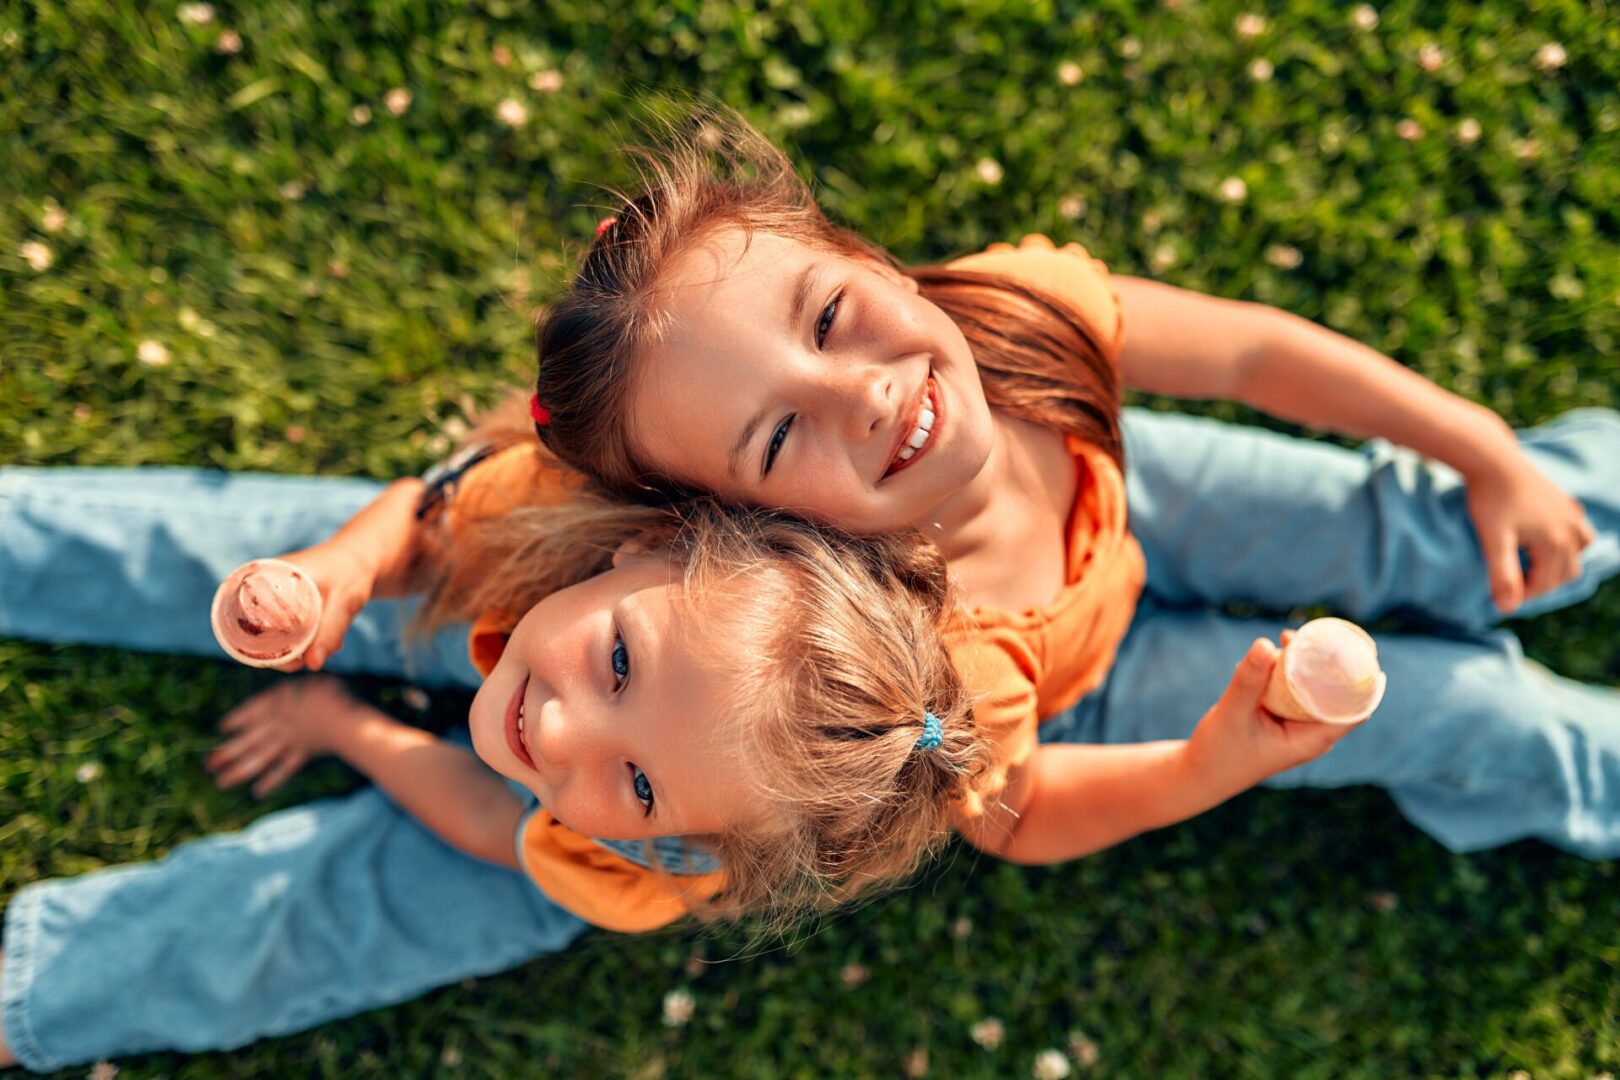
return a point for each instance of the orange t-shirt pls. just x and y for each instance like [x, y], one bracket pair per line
[1032, 664]
[588, 879]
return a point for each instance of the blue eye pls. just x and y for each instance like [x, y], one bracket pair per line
[824, 324]
[778, 437]
[620, 661]
[643, 788]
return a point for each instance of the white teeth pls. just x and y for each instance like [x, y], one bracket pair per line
[918, 437]
[906, 453]
[926, 419]
[520, 716]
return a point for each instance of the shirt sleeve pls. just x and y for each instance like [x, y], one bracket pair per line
[604, 888]
[1069, 273]
[995, 665]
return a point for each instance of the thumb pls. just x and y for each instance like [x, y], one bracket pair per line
[336, 616]
[1501, 551]
[1249, 679]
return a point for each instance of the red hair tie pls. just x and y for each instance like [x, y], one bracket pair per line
[541, 414]
[604, 225]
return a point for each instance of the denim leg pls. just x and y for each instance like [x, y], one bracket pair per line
[130, 558]
[1477, 746]
[311, 914]
[1230, 513]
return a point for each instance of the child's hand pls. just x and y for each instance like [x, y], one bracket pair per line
[346, 580]
[1515, 506]
[274, 733]
[1238, 743]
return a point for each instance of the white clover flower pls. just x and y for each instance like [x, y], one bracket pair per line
[1261, 69]
[916, 1063]
[195, 14]
[1364, 17]
[1409, 129]
[89, 773]
[188, 319]
[1130, 47]
[1250, 25]
[292, 191]
[679, 1005]
[1070, 207]
[397, 100]
[511, 112]
[83, 412]
[1085, 1051]
[450, 1057]
[1431, 57]
[1163, 258]
[152, 353]
[548, 81]
[1383, 901]
[988, 1033]
[37, 255]
[1469, 131]
[103, 1070]
[1526, 149]
[1234, 190]
[501, 55]
[360, 115]
[854, 975]
[1284, 256]
[54, 219]
[989, 170]
[1069, 73]
[229, 43]
[1551, 56]
[1050, 1065]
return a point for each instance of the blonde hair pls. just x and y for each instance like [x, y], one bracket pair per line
[834, 643]
[706, 169]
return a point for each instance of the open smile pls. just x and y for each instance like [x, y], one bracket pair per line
[917, 436]
[514, 726]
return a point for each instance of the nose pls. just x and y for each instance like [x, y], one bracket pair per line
[567, 738]
[861, 398]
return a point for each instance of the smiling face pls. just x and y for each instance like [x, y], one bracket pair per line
[793, 378]
[609, 709]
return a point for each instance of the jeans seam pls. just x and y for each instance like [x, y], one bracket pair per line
[21, 942]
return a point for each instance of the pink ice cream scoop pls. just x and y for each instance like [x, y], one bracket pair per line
[266, 612]
[1328, 673]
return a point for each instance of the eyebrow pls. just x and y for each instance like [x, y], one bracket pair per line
[800, 297]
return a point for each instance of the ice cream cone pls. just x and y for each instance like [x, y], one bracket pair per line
[1328, 674]
[266, 613]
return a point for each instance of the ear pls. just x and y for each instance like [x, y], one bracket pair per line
[648, 542]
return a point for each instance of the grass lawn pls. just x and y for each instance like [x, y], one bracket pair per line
[301, 238]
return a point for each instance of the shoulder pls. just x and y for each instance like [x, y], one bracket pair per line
[603, 887]
[1069, 273]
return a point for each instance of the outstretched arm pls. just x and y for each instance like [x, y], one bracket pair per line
[1185, 344]
[442, 785]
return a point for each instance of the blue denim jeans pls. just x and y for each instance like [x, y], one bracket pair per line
[338, 907]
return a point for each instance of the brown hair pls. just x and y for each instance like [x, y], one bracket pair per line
[835, 645]
[707, 170]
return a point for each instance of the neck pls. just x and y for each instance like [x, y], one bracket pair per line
[964, 523]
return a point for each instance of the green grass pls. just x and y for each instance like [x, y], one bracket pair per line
[333, 296]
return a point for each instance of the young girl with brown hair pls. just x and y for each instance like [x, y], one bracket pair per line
[712, 712]
[723, 336]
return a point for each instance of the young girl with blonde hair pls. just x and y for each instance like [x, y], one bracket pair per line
[713, 712]
[723, 336]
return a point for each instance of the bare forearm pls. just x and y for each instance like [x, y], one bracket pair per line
[1312, 375]
[1082, 799]
[443, 786]
[386, 538]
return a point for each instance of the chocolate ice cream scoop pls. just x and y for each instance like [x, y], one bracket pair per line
[266, 612]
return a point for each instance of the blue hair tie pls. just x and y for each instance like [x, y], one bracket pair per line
[933, 732]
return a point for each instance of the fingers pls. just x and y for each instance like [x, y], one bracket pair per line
[1501, 550]
[246, 755]
[279, 773]
[1249, 680]
[336, 619]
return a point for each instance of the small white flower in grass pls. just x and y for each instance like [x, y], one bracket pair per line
[196, 14]
[1409, 129]
[854, 975]
[37, 255]
[1069, 73]
[1383, 901]
[1364, 17]
[188, 319]
[1250, 25]
[988, 1033]
[1526, 149]
[103, 1070]
[1152, 222]
[501, 55]
[679, 1005]
[989, 170]
[54, 219]
[229, 43]
[1130, 48]
[1261, 69]
[916, 1063]
[546, 82]
[360, 115]
[1519, 1074]
[511, 112]
[292, 191]
[82, 413]
[397, 100]
[416, 698]
[1284, 256]
[1551, 56]
[152, 353]
[89, 772]
[1469, 131]
[1431, 57]
[1050, 1065]
[1163, 258]
[1234, 190]
[450, 1057]
[9, 38]
[1084, 1049]
[1070, 207]
[295, 433]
